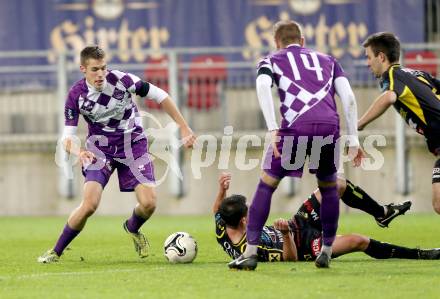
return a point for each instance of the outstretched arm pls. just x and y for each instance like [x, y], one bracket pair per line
[290, 253]
[72, 146]
[223, 181]
[171, 109]
[146, 89]
[380, 105]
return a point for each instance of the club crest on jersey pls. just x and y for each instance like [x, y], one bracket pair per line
[87, 105]
[118, 94]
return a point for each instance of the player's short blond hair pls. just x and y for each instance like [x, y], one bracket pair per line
[287, 32]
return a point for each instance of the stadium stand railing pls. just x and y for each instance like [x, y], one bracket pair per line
[215, 88]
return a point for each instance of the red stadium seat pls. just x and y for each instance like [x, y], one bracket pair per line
[205, 79]
[157, 73]
[422, 60]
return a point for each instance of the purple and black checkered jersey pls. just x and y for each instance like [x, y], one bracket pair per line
[110, 112]
[304, 79]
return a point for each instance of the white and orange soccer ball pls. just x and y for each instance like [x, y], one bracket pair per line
[180, 247]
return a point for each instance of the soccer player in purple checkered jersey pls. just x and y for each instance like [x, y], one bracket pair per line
[116, 140]
[307, 82]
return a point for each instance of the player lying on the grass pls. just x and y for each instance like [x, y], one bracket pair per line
[300, 237]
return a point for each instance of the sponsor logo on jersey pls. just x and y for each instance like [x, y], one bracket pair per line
[270, 234]
[274, 257]
[316, 246]
[231, 251]
[69, 113]
[309, 208]
[108, 165]
[315, 215]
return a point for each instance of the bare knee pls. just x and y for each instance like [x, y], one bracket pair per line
[147, 199]
[341, 185]
[269, 180]
[359, 242]
[436, 205]
[149, 204]
[436, 197]
[87, 208]
[92, 197]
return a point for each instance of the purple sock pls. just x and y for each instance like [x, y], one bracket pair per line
[135, 222]
[258, 212]
[329, 214]
[66, 237]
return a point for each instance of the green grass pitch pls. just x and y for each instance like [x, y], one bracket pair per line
[102, 263]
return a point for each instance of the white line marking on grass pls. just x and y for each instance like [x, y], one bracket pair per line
[39, 275]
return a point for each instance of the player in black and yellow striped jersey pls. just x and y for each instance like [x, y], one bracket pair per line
[414, 94]
[300, 237]
[417, 101]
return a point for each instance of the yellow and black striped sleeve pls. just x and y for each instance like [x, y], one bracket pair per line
[395, 82]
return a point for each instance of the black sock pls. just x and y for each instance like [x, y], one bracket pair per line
[357, 198]
[381, 250]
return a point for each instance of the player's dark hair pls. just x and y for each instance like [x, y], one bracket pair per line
[385, 42]
[287, 32]
[91, 52]
[232, 209]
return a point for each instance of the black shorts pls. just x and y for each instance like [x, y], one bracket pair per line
[308, 239]
[306, 224]
[311, 210]
[433, 142]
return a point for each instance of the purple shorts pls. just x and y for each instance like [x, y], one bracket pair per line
[318, 142]
[134, 168]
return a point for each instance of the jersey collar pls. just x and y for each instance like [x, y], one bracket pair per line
[293, 45]
[385, 74]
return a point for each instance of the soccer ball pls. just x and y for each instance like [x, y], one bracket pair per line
[180, 247]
